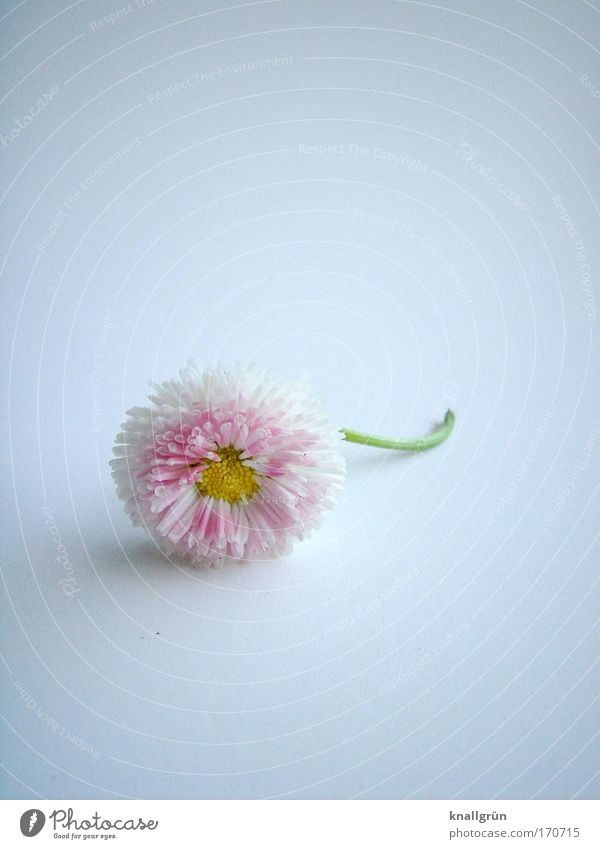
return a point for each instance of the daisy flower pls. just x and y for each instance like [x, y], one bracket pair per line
[234, 463]
[229, 463]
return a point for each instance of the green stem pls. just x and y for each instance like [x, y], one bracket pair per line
[439, 435]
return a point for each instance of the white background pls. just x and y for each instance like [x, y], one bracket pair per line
[175, 197]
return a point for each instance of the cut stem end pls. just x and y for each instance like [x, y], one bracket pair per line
[439, 435]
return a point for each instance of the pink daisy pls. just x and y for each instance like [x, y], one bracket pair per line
[228, 464]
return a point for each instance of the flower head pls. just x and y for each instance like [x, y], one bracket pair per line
[229, 463]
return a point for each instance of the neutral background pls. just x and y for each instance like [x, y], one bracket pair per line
[398, 199]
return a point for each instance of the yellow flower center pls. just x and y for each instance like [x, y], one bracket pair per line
[228, 479]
